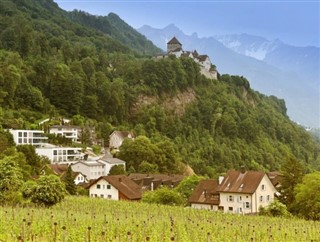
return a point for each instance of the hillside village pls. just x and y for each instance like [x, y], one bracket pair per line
[240, 192]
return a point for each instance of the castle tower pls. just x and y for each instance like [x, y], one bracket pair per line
[174, 45]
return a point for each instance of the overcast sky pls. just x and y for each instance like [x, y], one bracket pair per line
[294, 22]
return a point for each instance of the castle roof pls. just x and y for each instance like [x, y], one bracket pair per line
[174, 41]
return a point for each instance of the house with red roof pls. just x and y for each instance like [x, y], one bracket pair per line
[117, 187]
[242, 192]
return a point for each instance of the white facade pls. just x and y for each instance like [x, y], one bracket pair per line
[117, 137]
[206, 63]
[91, 169]
[110, 162]
[70, 132]
[204, 206]
[61, 154]
[28, 137]
[80, 178]
[104, 189]
[248, 203]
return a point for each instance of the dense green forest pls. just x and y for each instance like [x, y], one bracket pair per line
[100, 71]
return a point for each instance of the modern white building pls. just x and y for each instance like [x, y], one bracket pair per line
[62, 155]
[68, 131]
[28, 137]
[91, 169]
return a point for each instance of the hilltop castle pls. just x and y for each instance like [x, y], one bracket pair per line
[174, 47]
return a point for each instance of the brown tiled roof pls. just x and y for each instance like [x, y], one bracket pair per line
[275, 178]
[206, 193]
[174, 40]
[145, 180]
[238, 182]
[124, 185]
[58, 168]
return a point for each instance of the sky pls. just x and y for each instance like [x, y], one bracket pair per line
[292, 21]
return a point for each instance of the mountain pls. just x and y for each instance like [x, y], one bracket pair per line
[115, 27]
[56, 64]
[230, 55]
[304, 61]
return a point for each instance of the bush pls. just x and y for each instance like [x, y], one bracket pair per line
[275, 209]
[49, 191]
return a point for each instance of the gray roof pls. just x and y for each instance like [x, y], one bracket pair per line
[112, 160]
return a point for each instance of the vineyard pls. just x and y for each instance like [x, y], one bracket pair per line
[85, 220]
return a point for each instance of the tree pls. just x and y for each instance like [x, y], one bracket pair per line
[187, 185]
[10, 181]
[69, 182]
[164, 196]
[117, 170]
[307, 196]
[49, 191]
[293, 172]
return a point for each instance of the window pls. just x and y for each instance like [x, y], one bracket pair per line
[20, 141]
[109, 196]
[240, 210]
[230, 209]
[230, 198]
[20, 134]
[108, 186]
[268, 198]
[261, 199]
[98, 186]
[239, 199]
[220, 208]
[101, 195]
[263, 187]
[247, 205]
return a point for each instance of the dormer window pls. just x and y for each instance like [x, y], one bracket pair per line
[241, 186]
[229, 184]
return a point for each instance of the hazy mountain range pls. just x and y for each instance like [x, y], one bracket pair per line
[272, 67]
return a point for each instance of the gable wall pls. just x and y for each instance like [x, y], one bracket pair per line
[103, 191]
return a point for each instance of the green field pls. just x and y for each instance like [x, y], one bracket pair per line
[85, 219]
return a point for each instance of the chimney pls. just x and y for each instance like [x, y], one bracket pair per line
[242, 169]
[221, 179]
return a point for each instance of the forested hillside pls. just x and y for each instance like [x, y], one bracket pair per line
[59, 64]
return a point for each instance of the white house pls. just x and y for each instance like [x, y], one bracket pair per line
[205, 195]
[60, 154]
[239, 192]
[28, 137]
[117, 137]
[68, 131]
[110, 162]
[117, 187]
[61, 170]
[91, 169]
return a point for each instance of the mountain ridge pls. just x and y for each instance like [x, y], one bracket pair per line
[302, 99]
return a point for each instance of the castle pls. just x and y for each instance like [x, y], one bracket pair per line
[174, 47]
